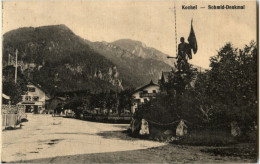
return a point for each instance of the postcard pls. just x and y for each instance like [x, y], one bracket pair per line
[129, 81]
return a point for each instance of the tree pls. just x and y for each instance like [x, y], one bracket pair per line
[179, 81]
[125, 99]
[177, 104]
[75, 104]
[15, 91]
[225, 93]
[229, 90]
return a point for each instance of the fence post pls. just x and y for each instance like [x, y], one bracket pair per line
[5, 119]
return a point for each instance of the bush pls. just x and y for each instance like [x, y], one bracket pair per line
[207, 138]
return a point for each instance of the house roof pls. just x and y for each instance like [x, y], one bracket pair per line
[30, 103]
[60, 98]
[165, 76]
[143, 87]
[47, 96]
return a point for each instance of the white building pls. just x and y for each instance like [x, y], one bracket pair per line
[144, 94]
[34, 99]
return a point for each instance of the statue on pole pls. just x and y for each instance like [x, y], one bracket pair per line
[185, 50]
[183, 77]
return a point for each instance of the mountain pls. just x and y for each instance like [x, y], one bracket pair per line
[135, 70]
[137, 63]
[140, 49]
[58, 60]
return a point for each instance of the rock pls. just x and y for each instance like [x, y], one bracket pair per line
[168, 132]
[150, 138]
[168, 139]
[161, 138]
[135, 125]
[181, 129]
[144, 128]
[173, 138]
[156, 139]
[235, 130]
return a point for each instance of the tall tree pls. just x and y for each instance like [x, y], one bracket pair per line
[231, 85]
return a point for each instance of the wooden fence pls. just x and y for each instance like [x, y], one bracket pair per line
[12, 115]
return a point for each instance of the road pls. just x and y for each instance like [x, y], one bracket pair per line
[44, 136]
[50, 139]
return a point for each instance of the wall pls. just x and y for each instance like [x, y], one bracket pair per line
[38, 92]
[136, 96]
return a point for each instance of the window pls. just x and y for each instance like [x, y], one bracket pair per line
[28, 98]
[35, 98]
[138, 101]
[154, 91]
[31, 89]
[145, 100]
[144, 92]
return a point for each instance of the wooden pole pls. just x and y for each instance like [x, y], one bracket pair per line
[9, 59]
[175, 21]
[16, 57]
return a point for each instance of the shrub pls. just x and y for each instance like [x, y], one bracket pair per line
[207, 138]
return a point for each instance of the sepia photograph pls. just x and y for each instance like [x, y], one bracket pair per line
[110, 81]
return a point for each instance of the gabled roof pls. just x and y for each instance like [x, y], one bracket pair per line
[143, 87]
[165, 76]
[47, 96]
[60, 98]
[36, 85]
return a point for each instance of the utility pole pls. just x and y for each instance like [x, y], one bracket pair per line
[9, 59]
[16, 57]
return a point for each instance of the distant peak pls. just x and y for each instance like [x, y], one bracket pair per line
[61, 26]
[104, 42]
[128, 41]
[30, 29]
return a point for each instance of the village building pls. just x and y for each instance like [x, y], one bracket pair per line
[55, 103]
[144, 94]
[165, 77]
[34, 99]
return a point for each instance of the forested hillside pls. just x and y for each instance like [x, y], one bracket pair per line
[57, 59]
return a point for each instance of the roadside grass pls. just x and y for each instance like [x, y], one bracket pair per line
[207, 138]
[219, 142]
[242, 150]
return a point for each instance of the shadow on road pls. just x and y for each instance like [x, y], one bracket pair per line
[121, 126]
[121, 135]
[133, 156]
[68, 133]
[163, 154]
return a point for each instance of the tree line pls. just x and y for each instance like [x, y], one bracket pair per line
[212, 99]
[115, 101]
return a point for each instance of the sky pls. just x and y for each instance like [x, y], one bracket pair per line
[151, 22]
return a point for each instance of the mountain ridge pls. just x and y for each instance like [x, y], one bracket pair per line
[58, 59]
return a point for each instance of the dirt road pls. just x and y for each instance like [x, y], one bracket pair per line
[45, 136]
[62, 140]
